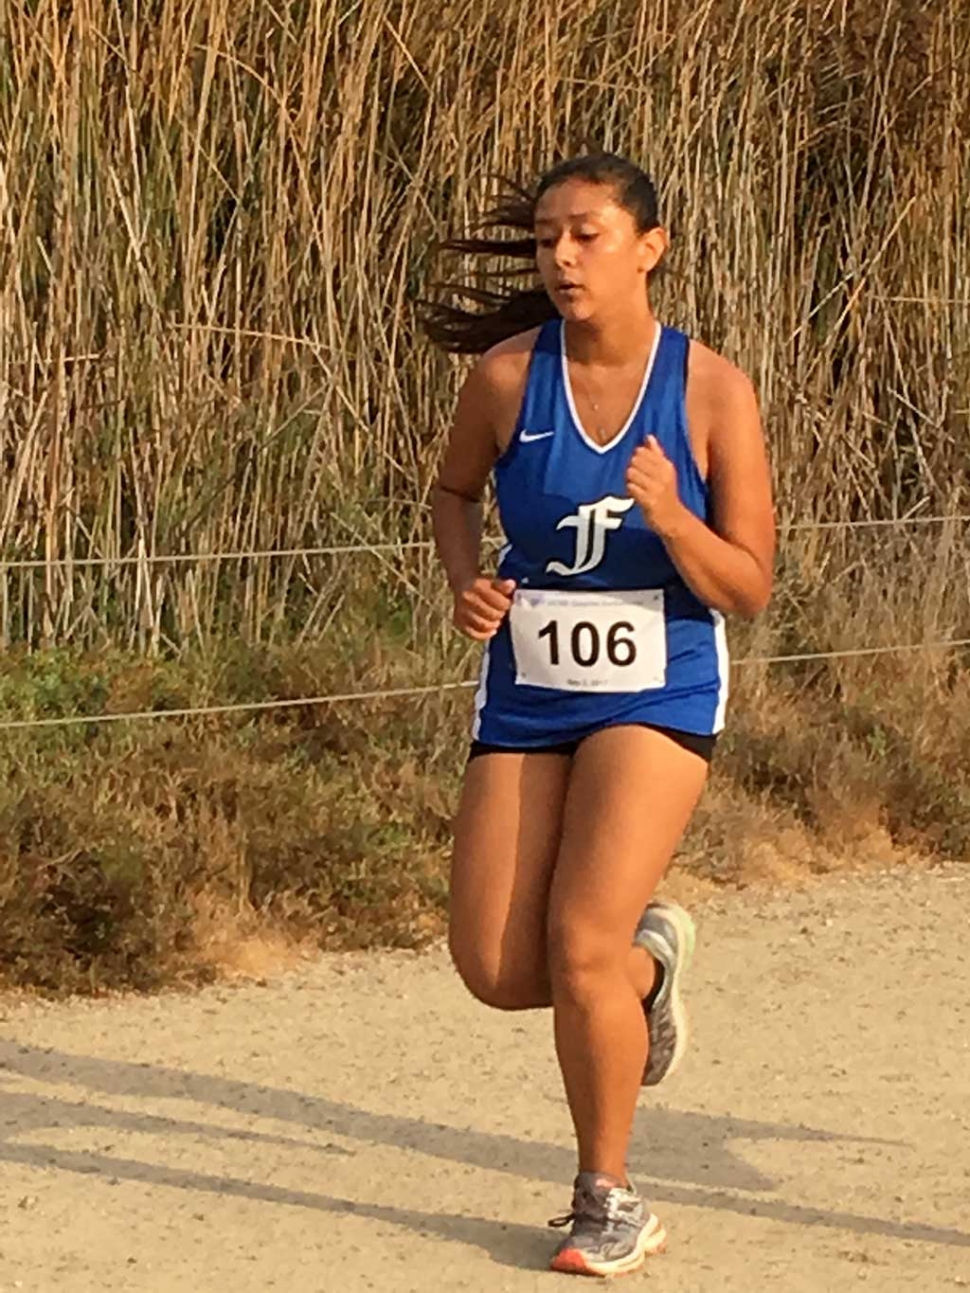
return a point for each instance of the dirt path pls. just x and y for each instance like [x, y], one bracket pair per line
[362, 1124]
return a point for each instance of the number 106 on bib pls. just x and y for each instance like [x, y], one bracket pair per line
[606, 642]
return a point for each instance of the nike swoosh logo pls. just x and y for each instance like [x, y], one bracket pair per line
[526, 438]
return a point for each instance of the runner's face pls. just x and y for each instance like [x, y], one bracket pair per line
[589, 252]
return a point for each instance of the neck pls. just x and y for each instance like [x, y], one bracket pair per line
[611, 343]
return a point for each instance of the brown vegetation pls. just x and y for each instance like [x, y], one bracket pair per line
[215, 220]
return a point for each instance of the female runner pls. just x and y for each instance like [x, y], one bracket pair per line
[634, 492]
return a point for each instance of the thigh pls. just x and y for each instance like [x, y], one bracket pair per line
[507, 835]
[631, 794]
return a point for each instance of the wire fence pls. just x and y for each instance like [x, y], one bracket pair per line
[416, 545]
[388, 693]
[426, 545]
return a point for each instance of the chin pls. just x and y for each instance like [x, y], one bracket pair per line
[577, 311]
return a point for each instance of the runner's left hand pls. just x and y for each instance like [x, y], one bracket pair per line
[651, 479]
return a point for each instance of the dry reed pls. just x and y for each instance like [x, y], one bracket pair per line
[214, 221]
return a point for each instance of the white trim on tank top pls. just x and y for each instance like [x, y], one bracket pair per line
[723, 670]
[481, 695]
[638, 404]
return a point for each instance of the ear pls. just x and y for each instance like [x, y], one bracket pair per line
[652, 248]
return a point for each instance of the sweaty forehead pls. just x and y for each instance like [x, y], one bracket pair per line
[574, 202]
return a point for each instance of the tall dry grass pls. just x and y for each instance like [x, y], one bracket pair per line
[216, 216]
[214, 221]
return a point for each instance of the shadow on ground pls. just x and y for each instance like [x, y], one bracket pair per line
[691, 1160]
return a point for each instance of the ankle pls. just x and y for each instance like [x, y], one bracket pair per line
[616, 1180]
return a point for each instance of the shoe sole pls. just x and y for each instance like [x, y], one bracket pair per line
[686, 940]
[685, 928]
[651, 1243]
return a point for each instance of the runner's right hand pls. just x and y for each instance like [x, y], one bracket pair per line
[481, 606]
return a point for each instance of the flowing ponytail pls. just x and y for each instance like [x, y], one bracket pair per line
[507, 311]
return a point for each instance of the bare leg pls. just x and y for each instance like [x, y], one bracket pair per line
[507, 838]
[631, 793]
[507, 834]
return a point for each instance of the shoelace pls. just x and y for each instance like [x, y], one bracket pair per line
[609, 1210]
[578, 1214]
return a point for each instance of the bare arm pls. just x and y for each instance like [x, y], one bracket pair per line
[728, 565]
[486, 402]
[456, 506]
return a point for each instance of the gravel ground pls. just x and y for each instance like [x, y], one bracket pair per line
[360, 1123]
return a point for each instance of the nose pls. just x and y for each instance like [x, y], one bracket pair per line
[563, 252]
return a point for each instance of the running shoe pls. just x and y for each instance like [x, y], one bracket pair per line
[667, 932]
[612, 1232]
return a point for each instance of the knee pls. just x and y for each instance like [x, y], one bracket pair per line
[581, 960]
[494, 984]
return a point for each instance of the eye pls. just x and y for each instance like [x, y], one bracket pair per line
[546, 242]
[585, 236]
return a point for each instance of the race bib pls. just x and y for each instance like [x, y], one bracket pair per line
[571, 641]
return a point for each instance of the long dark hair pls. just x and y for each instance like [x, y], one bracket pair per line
[506, 311]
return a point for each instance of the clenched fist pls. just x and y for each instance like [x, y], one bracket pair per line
[651, 479]
[482, 605]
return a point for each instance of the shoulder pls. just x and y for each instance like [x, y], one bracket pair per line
[722, 407]
[503, 370]
[713, 382]
[495, 387]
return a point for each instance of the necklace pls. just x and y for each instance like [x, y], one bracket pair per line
[600, 430]
[594, 405]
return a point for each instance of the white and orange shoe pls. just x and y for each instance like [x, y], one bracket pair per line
[613, 1232]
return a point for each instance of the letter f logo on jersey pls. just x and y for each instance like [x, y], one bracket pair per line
[591, 522]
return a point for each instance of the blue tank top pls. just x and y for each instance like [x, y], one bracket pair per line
[571, 526]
